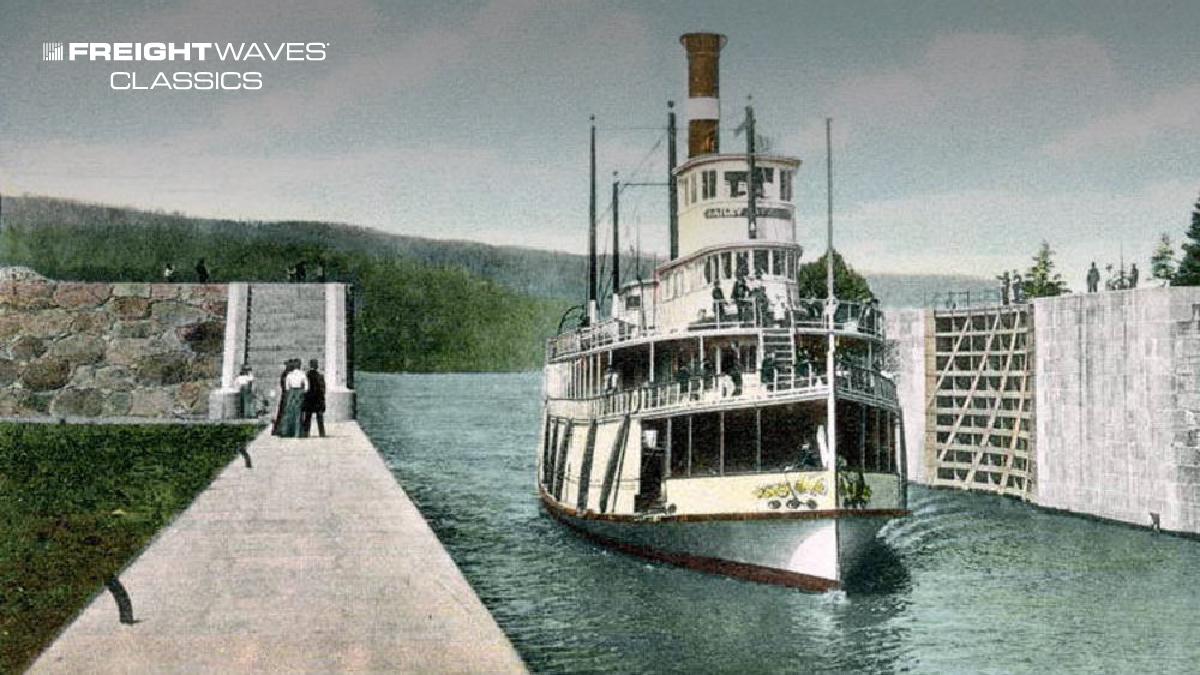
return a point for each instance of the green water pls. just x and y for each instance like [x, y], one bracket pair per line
[968, 584]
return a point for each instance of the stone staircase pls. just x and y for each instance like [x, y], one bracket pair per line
[779, 343]
[285, 321]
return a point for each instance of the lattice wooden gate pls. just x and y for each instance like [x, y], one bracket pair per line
[979, 425]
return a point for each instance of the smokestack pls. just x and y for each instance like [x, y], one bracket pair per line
[703, 104]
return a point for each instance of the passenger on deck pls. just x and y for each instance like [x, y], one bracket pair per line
[708, 372]
[683, 377]
[768, 372]
[740, 296]
[718, 298]
[759, 295]
[729, 363]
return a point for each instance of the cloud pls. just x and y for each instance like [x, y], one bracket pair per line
[1171, 112]
[979, 77]
[982, 232]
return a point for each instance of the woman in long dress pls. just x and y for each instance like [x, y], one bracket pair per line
[295, 384]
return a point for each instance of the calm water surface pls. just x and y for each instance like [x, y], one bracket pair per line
[969, 584]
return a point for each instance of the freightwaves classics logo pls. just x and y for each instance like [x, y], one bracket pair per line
[199, 80]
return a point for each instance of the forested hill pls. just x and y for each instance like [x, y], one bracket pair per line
[546, 274]
[428, 304]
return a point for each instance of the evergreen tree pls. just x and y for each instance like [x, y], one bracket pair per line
[1189, 267]
[1041, 281]
[848, 285]
[1162, 263]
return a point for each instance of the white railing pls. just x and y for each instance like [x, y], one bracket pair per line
[808, 316]
[858, 383]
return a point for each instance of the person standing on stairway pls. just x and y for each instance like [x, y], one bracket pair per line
[314, 401]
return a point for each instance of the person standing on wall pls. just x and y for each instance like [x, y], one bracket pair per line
[314, 401]
[1093, 278]
[201, 272]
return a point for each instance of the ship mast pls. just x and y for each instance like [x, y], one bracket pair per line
[830, 301]
[752, 210]
[591, 303]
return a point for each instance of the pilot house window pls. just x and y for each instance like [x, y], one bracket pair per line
[709, 187]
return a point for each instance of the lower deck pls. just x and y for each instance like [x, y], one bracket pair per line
[760, 459]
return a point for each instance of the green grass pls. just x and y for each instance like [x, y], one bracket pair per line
[77, 502]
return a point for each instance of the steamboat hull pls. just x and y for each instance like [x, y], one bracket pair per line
[813, 551]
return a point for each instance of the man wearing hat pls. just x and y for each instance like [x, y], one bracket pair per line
[314, 401]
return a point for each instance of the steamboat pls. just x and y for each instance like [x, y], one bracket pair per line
[712, 417]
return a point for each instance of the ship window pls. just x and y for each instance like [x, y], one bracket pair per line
[791, 265]
[708, 265]
[633, 301]
[777, 258]
[737, 183]
[743, 263]
[727, 264]
[710, 184]
[692, 189]
[785, 185]
[760, 262]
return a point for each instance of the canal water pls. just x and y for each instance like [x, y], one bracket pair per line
[969, 584]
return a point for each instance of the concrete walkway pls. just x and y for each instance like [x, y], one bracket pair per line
[312, 561]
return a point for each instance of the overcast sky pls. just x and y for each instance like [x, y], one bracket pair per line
[965, 132]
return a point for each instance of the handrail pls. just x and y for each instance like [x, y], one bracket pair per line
[808, 315]
[859, 383]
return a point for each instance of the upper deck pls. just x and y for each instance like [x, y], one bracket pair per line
[850, 320]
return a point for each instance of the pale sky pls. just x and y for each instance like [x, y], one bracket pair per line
[965, 132]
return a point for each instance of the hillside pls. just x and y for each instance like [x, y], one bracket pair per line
[427, 304]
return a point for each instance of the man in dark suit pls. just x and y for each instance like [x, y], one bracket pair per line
[314, 401]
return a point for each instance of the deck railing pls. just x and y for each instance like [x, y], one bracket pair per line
[857, 383]
[807, 317]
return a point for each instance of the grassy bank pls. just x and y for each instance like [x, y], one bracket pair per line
[77, 502]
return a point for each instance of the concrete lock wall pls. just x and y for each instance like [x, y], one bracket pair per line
[110, 350]
[1118, 404]
[909, 334]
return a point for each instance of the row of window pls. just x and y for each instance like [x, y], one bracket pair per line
[712, 269]
[703, 185]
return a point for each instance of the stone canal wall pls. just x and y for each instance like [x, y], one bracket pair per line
[111, 350]
[1105, 411]
[70, 349]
